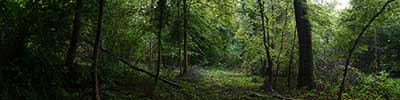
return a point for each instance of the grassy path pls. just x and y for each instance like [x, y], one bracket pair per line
[223, 85]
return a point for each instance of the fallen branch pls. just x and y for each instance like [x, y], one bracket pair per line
[274, 95]
[277, 95]
[136, 68]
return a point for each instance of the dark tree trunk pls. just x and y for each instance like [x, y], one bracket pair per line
[178, 30]
[185, 36]
[73, 71]
[150, 54]
[306, 70]
[267, 83]
[291, 59]
[161, 5]
[369, 58]
[96, 90]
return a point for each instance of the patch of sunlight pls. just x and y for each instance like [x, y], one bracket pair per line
[223, 78]
[342, 4]
[338, 5]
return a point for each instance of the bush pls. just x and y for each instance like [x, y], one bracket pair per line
[376, 87]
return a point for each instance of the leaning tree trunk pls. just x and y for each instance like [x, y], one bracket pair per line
[267, 83]
[96, 90]
[161, 5]
[354, 45]
[306, 70]
[73, 71]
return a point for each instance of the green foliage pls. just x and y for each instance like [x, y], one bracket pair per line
[32, 47]
[377, 87]
[219, 84]
[223, 34]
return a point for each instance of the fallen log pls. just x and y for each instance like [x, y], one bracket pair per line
[136, 68]
[273, 95]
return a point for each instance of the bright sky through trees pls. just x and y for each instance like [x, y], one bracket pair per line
[342, 4]
[337, 4]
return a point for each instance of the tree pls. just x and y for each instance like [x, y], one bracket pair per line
[282, 39]
[96, 89]
[291, 60]
[161, 4]
[185, 36]
[354, 45]
[306, 70]
[267, 83]
[270, 40]
[71, 53]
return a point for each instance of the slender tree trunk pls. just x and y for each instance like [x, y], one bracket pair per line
[370, 57]
[375, 49]
[73, 72]
[150, 56]
[161, 5]
[290, 66]
[185, 36]
[306, 69]
[96, 89]
[178, 28]
[291, 59]
[281, 47]
[267, 83]
[269, 37]
[179, 64]
[150, 59]
[353, 47]
[263, 66]
[71, 53]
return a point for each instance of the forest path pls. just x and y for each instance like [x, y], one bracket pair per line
[225, 85]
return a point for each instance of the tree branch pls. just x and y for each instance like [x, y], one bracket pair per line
[353, 47]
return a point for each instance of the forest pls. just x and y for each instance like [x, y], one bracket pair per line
[200, 49]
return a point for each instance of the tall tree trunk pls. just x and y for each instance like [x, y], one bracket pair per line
[370, 57]
[281, 47]
[291, 59]
[161, 4]
[267, 83]
[185, 36]
[375, 49]
[96, 90]
[306, 69]
[73, 71]
[269, 37]
[150, 54]
[178, 29]
[353, 47]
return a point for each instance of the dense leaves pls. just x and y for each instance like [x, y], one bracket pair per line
[225, 49]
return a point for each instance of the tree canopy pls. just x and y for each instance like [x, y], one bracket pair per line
[199, 49]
